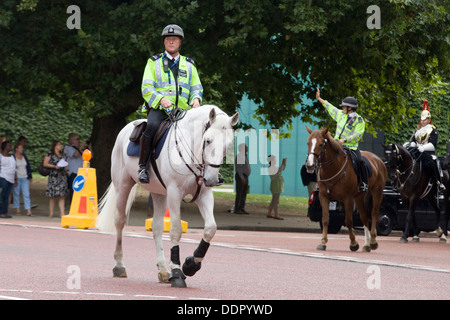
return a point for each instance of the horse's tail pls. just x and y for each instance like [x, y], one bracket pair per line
[108, 210]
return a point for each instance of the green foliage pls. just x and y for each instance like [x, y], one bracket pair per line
[440, 116]
[276, 52]
[41, 126]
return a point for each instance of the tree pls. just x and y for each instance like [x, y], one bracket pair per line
[276, 52]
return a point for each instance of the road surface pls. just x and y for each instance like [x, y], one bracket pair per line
[49, 262]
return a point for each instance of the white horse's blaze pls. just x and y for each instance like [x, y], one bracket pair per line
[310, 161]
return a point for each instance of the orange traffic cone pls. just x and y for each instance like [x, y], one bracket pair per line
[167, 214]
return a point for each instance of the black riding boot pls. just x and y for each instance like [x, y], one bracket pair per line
[363, 185]
[143, 159]
[438, 176]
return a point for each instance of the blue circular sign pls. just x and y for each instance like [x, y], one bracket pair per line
[78, 183]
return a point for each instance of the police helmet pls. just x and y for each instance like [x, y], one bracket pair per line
[172, 30]
[349, 102]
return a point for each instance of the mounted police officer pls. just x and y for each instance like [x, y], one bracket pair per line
[170, 80]
[350, 128]
[425, 139]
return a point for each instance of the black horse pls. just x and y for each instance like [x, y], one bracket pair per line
[411, 179]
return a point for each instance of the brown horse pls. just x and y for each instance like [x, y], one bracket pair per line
[337, 180]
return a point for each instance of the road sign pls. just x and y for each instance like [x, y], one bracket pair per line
[78, 183]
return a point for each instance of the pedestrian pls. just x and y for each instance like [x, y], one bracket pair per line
[243, 171]
[170, 80]
[276, 185]
[23, 181]
[350, 128]
[8, 177]
[73, 155]
[57, 187]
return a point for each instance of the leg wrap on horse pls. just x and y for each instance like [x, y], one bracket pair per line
[175, 255]
[190, 266]
[201, 250]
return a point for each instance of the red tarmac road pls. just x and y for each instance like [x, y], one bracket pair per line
[42, 262]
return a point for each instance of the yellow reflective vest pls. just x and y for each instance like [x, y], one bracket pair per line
[351, 129]
[157, 84]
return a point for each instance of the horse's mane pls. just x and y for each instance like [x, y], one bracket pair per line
[336, 146]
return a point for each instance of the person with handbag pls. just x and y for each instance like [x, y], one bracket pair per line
[57, 187]
[74, 157]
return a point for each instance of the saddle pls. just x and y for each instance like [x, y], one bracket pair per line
[424, 158]
[357, 165]
[134, 147]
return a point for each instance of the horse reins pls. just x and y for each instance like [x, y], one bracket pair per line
[201, 167]
[324, 164]
[398, 182]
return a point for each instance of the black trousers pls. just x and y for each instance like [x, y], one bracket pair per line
[154, 119]
[241, 193]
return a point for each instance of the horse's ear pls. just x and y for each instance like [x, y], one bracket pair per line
[212, 115]
[308, 129]
[325, 131]
[234, 119]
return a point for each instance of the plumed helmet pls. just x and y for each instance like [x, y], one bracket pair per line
[349, 102]
[172, 30]
[425, 115]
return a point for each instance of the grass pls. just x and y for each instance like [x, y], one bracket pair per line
[286, 202]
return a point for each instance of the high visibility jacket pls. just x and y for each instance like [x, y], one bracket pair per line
[157, 84]
[351, 129]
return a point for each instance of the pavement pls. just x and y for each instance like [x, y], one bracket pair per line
[294, 220]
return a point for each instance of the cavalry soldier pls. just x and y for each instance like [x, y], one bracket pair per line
[170, 80]
[350, 128]
[425, 138]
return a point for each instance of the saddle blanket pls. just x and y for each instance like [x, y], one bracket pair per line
[134, 148]
[354, 158]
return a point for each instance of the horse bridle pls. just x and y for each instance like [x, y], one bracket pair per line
[399, 159]
[319, 165]
[198, 177]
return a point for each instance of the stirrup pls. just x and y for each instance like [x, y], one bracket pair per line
[363, 187]
[441, 187]
[143, 175]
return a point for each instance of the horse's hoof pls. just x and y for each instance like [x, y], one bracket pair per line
[163, 277]
[366, 249]
[119, 272]
[354, 247]
[443, 239]
[322, 247]
[403, 240]
[439, 232]
[374, 246]
[177, 279]
[416, 239]
[190, 267]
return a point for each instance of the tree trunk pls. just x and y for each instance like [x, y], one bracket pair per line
[104, 134]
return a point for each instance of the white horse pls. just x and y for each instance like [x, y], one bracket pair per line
[188, 164]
